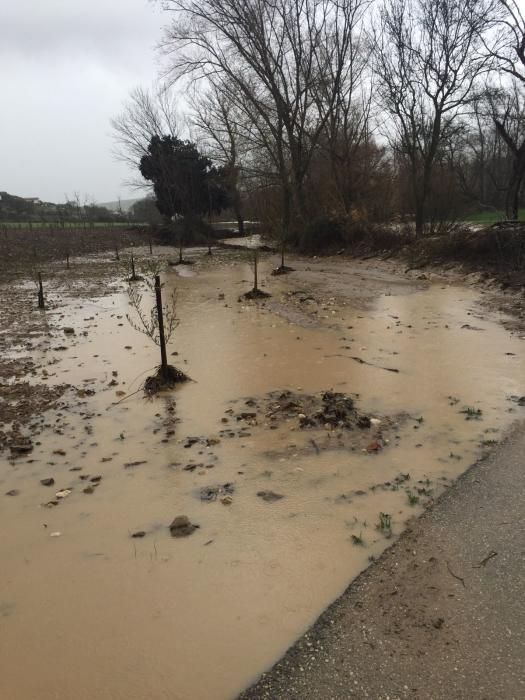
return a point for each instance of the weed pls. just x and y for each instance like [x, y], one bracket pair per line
[472, 413]
[358, 540]
[385, 524]
[413, 500]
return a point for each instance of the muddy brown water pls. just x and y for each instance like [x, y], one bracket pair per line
[93, 613]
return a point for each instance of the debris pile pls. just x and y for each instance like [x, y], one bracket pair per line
[329, 410]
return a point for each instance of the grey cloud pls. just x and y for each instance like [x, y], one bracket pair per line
[65, 69]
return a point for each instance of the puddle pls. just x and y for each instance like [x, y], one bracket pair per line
[94, 613]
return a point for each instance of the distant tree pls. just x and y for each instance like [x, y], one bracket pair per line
[145, 115]
[427, 61]
[145, 211]
[185, 183]
[217, 119]
[506, 46]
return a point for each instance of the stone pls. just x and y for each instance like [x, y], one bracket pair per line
[181, 526]
[269, 496]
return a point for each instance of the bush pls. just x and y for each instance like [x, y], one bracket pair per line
[323, 233]
[193, 232]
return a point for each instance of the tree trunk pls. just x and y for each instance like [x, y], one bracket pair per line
[513, 192]
[41, 301]
[162, 338]
[420, 216]
[238, 212]
[286, 218]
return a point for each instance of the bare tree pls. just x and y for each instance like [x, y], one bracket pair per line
[146, 114]
[218, 122]
[507, 47]
[427, 61]
[286, 59]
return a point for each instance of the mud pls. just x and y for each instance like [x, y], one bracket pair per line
[99, 599]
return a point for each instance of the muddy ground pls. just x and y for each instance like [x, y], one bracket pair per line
[440, 616]
[221, 518]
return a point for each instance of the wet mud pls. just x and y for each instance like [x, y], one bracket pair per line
[174, 546]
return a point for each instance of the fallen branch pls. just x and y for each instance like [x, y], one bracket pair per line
[489, 556]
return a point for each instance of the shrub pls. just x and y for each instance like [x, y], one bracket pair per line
[323, 233]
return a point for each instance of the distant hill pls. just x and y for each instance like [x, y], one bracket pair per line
[125, 204]
[14, 209]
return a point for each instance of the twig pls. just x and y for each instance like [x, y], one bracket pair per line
[489, 556]
[454, 575]
[371, 364]
[124, 398]
[315, 445]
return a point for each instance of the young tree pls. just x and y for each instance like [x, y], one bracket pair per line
[158, 325]
[427, 59]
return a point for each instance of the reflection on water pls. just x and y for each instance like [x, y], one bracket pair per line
[96, 614]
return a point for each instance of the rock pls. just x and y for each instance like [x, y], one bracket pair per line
[246, 416]
[181, 526]
[21, 446]
[139, 534]
[96, 479]
[13, 492]
[269, 496]
[68, 330]
[63, 494]
[55, 534]
[47, 482]
[227, 500]
[374, 446]
[211, 493]
[89, 490]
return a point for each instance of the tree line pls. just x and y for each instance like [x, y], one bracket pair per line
[305, 112]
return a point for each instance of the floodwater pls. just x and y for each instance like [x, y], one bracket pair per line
[93, 613]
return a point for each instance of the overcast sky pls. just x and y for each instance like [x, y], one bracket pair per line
[66, 66]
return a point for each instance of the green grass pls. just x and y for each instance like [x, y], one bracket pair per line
[67, 225]
[490, 217]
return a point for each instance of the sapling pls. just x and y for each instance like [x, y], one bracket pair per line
[159, 325]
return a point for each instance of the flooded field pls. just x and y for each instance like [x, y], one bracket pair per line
[290, 509]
